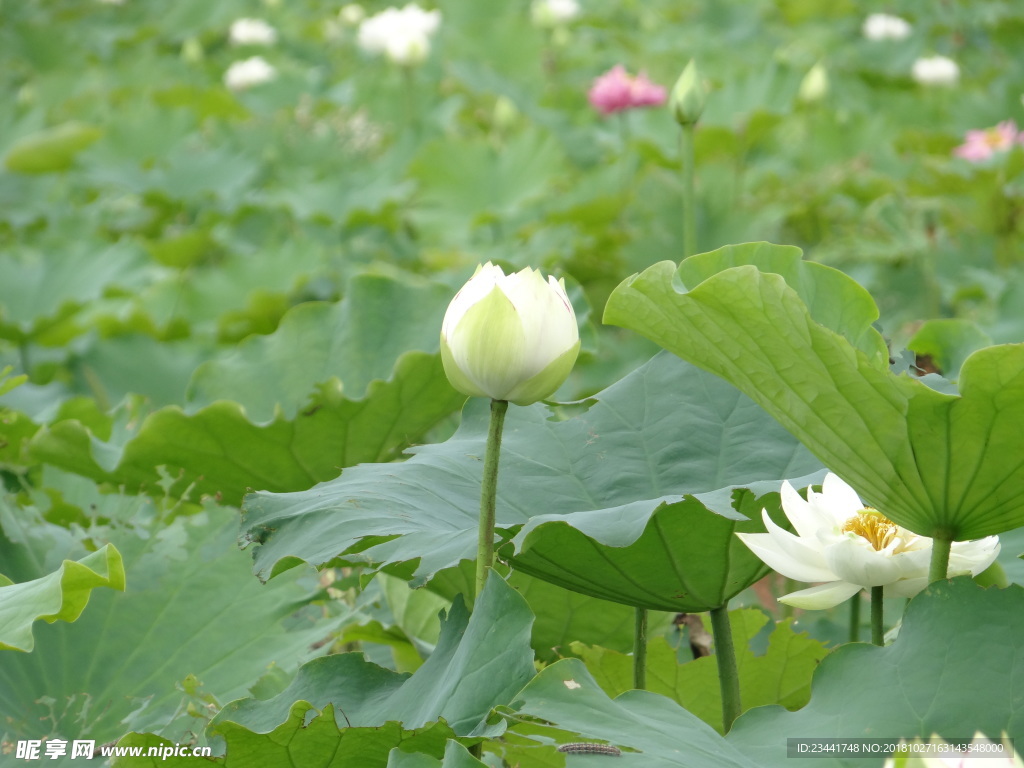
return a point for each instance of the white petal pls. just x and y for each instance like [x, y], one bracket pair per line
[547, 317]
[821, 596]
[854, 560]
[805, 517]
[914, 564]
[788, 554]
[906, 587]
[479, 285]
[839, 499]
[973, 556]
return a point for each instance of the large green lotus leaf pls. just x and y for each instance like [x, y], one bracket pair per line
[797, 338]
[668, 568]
[191, 610]
[354, 342]
[665, 432]
[58, 596]
[220, 451]
[334, 386]
[38, 290]
[782, 675]
[306, 738]
[455, 756]
[480, 662]
[650, 730]
[935, 678]
[114, 368]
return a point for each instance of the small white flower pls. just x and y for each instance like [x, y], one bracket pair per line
[247, 73]
[509, 337]
[849, 547]
[552, 13]
[351, 14]
[401, 35]
[882, 26]
[252, 32]
[936, 70]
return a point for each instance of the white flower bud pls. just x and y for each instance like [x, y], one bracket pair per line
[936, 70]
[882, 26]
[509, 337]
[247, 73]
[252, 32]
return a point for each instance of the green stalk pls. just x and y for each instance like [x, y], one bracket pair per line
[877, 611]
[689, 197]
[412, 114]
[855, 618]
[488, 494]
[789, 586]
[728, 675]
[640, 650]
[939, 567]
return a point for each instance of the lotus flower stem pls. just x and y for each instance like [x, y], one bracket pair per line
[855, 618]
[939, 567]
[488, 494]
[728, 675]
[412, 114]
[689, 197]
[877, 614]
[787, 609]
[640, 650]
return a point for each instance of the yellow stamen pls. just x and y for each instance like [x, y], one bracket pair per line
[873, 526]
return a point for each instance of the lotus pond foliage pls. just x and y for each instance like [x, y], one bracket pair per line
[543, 383]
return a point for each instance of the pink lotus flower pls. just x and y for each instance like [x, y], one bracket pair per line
[981, 145]
[617, 90]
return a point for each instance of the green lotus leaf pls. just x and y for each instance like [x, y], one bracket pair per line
[797, 338]
[929, 681]
[307, 737]
[624, 501]
[649, 729]
[191, 611]
[59, 596]
[781, 675]
[468, 673]
[335, 385]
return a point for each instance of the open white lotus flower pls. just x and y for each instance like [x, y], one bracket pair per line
[509, 337]
[403, 35]
[849, 547]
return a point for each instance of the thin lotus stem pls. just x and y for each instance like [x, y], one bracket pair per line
[728, 675]
[488, 494]
[939, 567]
[23, 355]
[790, 586]
[855, 618]
[689, 196]
[412, 108]
[640, 650]
[877, 614]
